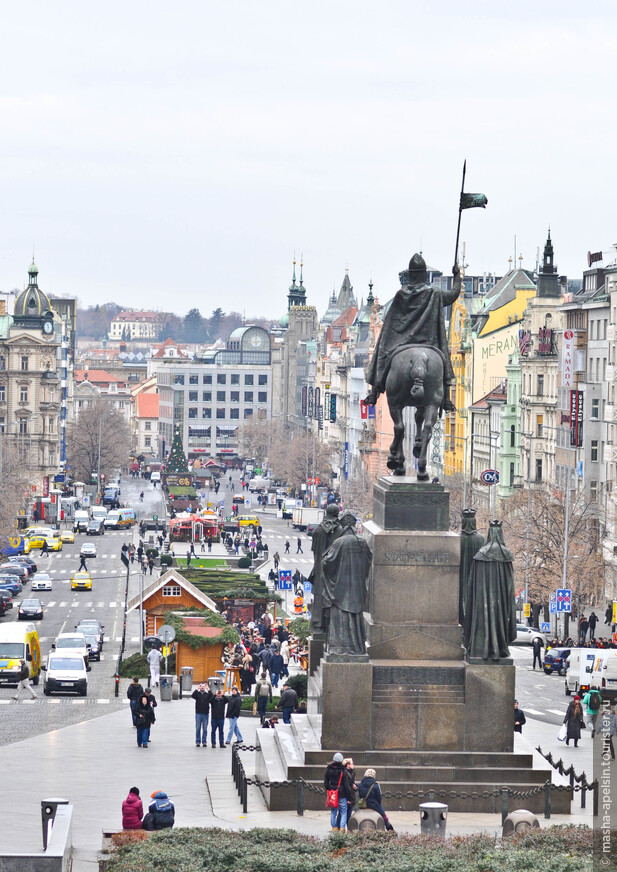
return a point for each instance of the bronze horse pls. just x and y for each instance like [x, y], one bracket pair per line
[415, 379]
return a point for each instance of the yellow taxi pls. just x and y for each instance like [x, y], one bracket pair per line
[81, 581]
[37, 536]
[54, 543]
[248, 521]
[67, 536]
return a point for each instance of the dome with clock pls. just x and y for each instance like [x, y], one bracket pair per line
[32, 306]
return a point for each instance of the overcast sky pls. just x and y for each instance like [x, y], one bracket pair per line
[176, 155]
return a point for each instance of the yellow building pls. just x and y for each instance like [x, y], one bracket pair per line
[455, 424]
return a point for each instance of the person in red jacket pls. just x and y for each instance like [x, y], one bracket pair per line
[132, 810]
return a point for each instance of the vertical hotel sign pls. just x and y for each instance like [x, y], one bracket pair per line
[567, 359]
[576, 419]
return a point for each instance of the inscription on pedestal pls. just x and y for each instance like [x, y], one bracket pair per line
[419, 558]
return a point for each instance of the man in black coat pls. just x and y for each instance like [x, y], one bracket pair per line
[234, 707]
[202, 711]
[217, 707]
[537, 646]
[289, 702]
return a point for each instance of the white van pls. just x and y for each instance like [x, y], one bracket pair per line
[581, 673]
[98, 513]
[65, 672]
[607, 673]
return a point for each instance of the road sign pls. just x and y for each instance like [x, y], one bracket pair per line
[552, 607]
[553, 598]
[614, 613]
[167, 633]
[564, 599]
[308, 587]
[155, 517]
[545, 627]
[526, 610]
[284, 579]
[489, 476]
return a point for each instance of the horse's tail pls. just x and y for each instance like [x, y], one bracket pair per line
[418, 374]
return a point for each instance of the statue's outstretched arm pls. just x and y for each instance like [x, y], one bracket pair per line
[450, 296]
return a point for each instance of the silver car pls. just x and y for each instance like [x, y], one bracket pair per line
[88, 549]
[525, 635]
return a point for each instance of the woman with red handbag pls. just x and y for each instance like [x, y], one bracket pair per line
[339, 792]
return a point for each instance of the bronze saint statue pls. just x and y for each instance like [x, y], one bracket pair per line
[471, 542]
[346, 567]
[411, 361]
[490, 612]
[323, 536]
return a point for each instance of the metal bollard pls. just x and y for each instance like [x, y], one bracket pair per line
[547, 800]
[584, 794]
[433, 817]
[300, 798]
[504, 804]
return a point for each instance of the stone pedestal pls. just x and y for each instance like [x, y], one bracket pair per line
[316, 645]
[489, 688]
[346, 691]
[402, 503]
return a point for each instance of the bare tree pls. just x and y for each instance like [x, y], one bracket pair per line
[14, 486]
[99, 439]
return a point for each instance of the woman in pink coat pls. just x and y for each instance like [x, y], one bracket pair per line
[132, 810]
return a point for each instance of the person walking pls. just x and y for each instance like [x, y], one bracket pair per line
[519, 718]
[287, 546]
[154, 662]
[24, 680]
[209, 545]
[299, 548]
[277, 560]
[574, 721]
[593, 703]
[150, 564]
[45, 548]
[276, 664]
[132, 810]
[263, 692]
[336, 778]
[234, 707]
[370, 791]
[202, 710]
[247, 673]
[144, 718]
[289, 702]
[217, 707]
[133, 693]
[82, 563]
[537, 646]
[592, 620]
[582, 629]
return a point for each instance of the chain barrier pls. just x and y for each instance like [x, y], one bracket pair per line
[581, 785]
[242, 781]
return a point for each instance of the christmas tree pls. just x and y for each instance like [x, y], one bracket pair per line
[176, 460]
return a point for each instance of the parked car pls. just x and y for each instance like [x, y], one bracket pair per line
[15, 569]
[7, 598]
[94, 651]
[41, 581]
[91, 625]
[556, 660]
[22, 560]
[12, 583]
[30, 610]
[88, 549]
[525, 635]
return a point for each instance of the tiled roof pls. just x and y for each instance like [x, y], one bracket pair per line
[96, 376]
[147, 405]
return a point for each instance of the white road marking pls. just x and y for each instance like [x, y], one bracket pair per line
[529, 711]
[78, 701]
[557, 712]
[103, 701]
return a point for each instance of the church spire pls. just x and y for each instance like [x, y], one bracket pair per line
[297, 293]
[548, 280]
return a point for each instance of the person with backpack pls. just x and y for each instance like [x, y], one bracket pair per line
[369, 793]
[161, 812]
[593, 703]
[263, 693]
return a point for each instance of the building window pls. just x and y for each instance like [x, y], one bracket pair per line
[540, 385]
[248, 380]
[220, 396]
[221, 379]
[2, 394]
[23, 394]
[147, 441]
[594, 450]
[2, 424]
[539, 423]
[193, 396]
[23, 426]
[538, 469]
[234, 413]
[193, 379]
[263, 380]
[593, 489]
[595, 408]
[220, 413]
[262, 397]
[207, 379]
[235, 378]
[192, 411]
[248, 396]
[206, 413]
[206, 396]
[2, 362]
[147, 425]
[52, 457]
[179, 380]
[172, 590]
[511, 475]
[234, 396]
[512, 437]
[24, 363]
[248, 413]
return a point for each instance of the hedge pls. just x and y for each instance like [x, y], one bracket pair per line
[229, 635]
[556, 849]
[137, 664]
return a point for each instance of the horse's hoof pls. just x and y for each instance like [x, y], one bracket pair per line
[417, 450]
[400, 470]
[423, 476]
[392, 463]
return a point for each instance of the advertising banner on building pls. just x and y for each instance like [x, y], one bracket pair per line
[304, 394]
[363, 410]
[326, 405]
[346, 461]
[310, 402]
[567, 359]
[333, 407]
[576, 419]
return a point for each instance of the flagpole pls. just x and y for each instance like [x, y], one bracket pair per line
[458, 229]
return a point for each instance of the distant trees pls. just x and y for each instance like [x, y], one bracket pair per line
[100, 431]
[194, 327]
[95, 321]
